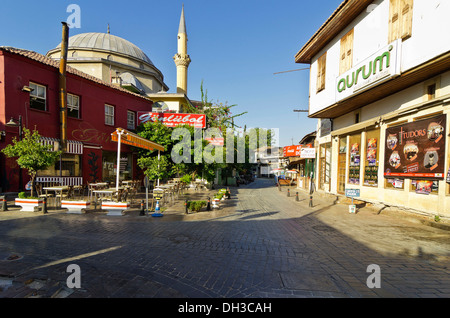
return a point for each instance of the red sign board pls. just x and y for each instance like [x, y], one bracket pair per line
[173, 119]
[295, 150]
[291, 151]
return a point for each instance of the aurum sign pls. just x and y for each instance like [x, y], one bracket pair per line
[381, 66]
[173, 119]
[416, 149]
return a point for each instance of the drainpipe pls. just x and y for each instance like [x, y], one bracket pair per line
[62, 88]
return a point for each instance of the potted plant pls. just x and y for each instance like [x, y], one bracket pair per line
[28, 204]
[75, 206]
[216, 201]
[31, 154]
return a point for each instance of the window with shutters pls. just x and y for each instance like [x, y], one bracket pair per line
[321, 67]
[346, 57]
[400, 19]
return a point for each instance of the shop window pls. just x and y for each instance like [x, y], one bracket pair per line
[371, 158]
[400, 19]
[342, 164]
[325, 165]
[73, 106]
[321, 72]
[109, 115]
[355, 159]
[71, 167]
[38, 97]
[346, 57]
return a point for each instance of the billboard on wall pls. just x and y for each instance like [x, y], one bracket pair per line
[416, 149]
[173, 119]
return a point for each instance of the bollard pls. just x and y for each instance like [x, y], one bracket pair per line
[288, 193]
[279, 187]
[296, 196]
[142, 208]
[4, 203]
[186, 206]
[208, 207]
[44, 207]
[310, 200]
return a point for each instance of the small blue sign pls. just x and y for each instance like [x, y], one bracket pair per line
[352, 193]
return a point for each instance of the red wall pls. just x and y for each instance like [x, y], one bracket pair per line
[17, 71]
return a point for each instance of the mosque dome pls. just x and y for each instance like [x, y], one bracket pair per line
[108, 43]
[113, 60]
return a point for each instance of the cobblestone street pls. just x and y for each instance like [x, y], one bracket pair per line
[260, 243]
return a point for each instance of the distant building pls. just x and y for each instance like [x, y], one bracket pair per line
[380, 89]
[269, 160]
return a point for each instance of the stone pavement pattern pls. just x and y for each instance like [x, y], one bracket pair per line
[261, 243]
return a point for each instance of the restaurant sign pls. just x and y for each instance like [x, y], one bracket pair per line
[302, 151]
[173, 119]
[416, 149]
[381, 66]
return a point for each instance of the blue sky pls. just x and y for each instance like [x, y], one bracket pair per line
[236, 46]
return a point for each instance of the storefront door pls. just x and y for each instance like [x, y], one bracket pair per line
[342, 165]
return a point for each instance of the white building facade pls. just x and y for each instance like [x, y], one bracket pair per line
[380, 88]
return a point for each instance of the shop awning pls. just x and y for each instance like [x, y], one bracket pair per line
[122, 136]
[73, 147]
[132, 139]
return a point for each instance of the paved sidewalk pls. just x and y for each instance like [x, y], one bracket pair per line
[259, 244]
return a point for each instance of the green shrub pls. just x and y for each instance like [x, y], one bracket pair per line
[186, 178]
[196, 206]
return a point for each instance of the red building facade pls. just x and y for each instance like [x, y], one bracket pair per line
[95, 109]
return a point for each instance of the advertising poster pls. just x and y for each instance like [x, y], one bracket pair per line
[416, 149]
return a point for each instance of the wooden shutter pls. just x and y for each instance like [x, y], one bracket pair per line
[406, 7]
[400, 19]
[321, 68]
[346, 57]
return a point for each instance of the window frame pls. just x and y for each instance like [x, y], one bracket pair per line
[130, 112]
[111, 116]
[35, 94]
[69, 105]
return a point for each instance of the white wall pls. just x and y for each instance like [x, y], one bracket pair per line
[431, 22]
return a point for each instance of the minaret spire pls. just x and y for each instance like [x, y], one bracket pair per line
[182, 59]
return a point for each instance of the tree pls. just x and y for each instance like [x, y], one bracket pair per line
[31, 154]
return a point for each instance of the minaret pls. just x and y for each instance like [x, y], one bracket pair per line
[182, 59]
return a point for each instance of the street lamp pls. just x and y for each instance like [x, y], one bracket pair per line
[13, 123]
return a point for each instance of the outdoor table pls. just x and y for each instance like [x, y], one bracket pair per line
[109, 191]
[56, 189]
